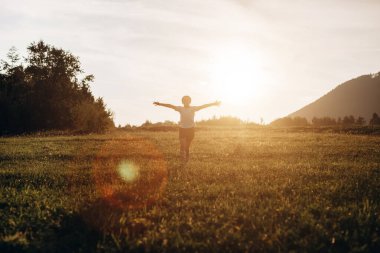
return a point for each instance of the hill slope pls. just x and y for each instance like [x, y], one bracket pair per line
[357, 97]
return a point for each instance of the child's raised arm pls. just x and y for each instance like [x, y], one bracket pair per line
[216, 103]
[166, 105]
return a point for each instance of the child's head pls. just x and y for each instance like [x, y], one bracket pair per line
[186, 100]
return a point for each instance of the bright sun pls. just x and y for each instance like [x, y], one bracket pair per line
[235, 75]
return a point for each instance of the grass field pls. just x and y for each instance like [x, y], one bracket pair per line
[242, 191]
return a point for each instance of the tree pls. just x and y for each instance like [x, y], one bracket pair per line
[14, 94]
[360, 121]
[325, 121]
[48, 94]
[375, 120]
[147, 123]
[348, 120]
[13, 59]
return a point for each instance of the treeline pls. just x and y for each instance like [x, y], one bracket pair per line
[170, 125]
[224, 121]
[326, 121]
[214, 121]
[44, 91]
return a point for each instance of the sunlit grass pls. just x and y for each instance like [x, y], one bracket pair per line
[241, 191]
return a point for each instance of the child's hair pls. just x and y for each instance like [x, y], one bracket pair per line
[186, 100]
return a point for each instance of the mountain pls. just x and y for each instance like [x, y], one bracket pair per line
[357, 97]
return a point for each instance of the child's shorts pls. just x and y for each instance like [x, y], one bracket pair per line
[187, 133]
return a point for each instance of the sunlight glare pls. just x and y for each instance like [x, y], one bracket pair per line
[235, 75]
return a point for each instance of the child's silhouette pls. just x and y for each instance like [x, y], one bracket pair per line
[186, 124]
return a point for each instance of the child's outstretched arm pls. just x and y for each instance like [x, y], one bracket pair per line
[216, 103]
[166, 105]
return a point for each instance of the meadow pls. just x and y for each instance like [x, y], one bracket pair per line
[255, 190]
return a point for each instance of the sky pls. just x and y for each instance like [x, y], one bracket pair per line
[262, 59]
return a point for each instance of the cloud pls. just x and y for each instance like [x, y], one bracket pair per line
[143, 49]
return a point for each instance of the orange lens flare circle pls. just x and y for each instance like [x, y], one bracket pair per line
[129, 172]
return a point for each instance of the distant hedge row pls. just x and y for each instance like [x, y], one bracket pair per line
[326, 121]
[44, 92]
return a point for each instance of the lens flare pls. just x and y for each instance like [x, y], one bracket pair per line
[128, 171]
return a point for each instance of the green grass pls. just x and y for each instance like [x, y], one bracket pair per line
[248, 190]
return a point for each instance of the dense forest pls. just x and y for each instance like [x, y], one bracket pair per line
[43, 91]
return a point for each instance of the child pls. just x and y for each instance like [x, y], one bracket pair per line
[186, 124]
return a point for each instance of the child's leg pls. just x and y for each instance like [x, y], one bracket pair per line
[183, 145]
[189, 139]
[187, 148]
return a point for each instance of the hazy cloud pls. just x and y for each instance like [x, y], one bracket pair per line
[142, 50]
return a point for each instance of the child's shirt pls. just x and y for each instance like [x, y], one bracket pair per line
[187, 116]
